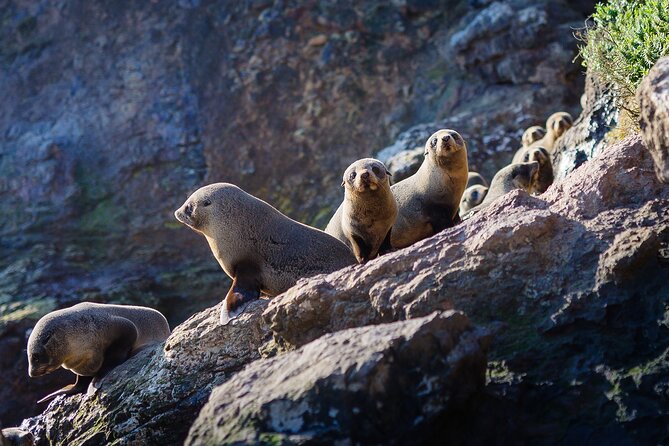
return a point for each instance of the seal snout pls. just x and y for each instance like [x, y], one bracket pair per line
[185, 214]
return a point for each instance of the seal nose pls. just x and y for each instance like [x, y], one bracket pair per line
[189, 210]
[365, 175]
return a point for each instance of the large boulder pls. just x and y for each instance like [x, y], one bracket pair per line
[383, 384]
[653, 97]
[574, 281]
[154, 397]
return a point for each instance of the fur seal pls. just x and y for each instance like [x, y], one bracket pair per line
[545, 175]
[90, 339]
[513, 176]
[261, 249]
[474, 178]
[15, 436]
[364, 218]
[556, 125]
[428, 201]
[472, 197]
[533, 134]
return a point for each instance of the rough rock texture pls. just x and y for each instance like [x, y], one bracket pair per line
[653, 97]
[13, 436]
[113, 112]
[383, 384]
[587, 137]
[576, 282]
[154, 397]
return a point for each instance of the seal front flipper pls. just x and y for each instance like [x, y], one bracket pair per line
[125, 335]
[79, 386]
[361, 250]
[244, 289]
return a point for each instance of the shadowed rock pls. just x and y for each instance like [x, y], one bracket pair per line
[384, 384]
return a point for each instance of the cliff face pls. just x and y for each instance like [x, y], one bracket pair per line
[113, 112]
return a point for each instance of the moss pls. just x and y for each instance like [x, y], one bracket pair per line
[103, 218]
[173, 225]
[626, 39]
[33, 309]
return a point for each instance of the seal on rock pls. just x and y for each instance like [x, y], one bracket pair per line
[428, 201]
[513, 176]
[364, 218]
[472, 197]
[545, 175]
[90, 339]
[474, 178]
[261, 249]
[532, 134]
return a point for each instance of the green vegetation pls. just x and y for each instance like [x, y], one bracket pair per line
[627, 38]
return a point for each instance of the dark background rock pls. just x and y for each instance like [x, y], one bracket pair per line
[384, 384]
[113, 112]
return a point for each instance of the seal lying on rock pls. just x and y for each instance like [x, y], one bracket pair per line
[261, 249]
[428, 201]
[364, 219]
[472, 197]
[90, 339]
[545, 175]
[15, 436]
[514, 176]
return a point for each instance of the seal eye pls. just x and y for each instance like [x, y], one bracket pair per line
[206, 203]
[352, 176]
[376, 170]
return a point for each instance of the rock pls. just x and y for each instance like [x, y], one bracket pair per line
[13, 436]
[575, 283]
[587, 137]
[383, 384]
[405, 163]
[653, 97]
[155, 396]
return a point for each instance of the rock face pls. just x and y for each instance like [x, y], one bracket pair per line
[154, 397]
[574, 280]
[653, 97]
[383, 384]
[587, 137]
[113, 113]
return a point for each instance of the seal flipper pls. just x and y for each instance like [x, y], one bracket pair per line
[386, 247]
[361, 249]
[79, 386]
[244, 289]
[118, 351]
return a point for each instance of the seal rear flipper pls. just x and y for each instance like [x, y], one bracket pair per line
[79, 386]
[243, 291]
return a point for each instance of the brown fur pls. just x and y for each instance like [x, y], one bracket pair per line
[364, 219]
[428, 201]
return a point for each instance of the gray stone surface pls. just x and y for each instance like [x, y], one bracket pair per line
[653, 97]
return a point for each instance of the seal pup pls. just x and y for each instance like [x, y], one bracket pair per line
[545, 175]
[472, 197]
[428, 201]
[90, 339]
[474, 178]
[261, 249]
[556, 125]
[513, 176]
[532, 134]
[364, 218]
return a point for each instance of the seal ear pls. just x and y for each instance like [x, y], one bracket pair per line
[342, 183]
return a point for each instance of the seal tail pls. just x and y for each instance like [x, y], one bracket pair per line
[242, 292]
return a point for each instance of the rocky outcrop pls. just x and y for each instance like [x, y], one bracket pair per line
[588, 136]
[102, 135]
[13, 436]
[574, 281]
[154, 397]
[383, 384]
[653, 97]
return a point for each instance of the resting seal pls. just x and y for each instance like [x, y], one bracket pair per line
[428, 200]
[533, 134]
[261, 249]
[472, 197]
[90, 339]
[545, 175]
[513, 176]
[364, 218]
[474, 178]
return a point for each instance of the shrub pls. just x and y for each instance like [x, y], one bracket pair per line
[623, 41]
